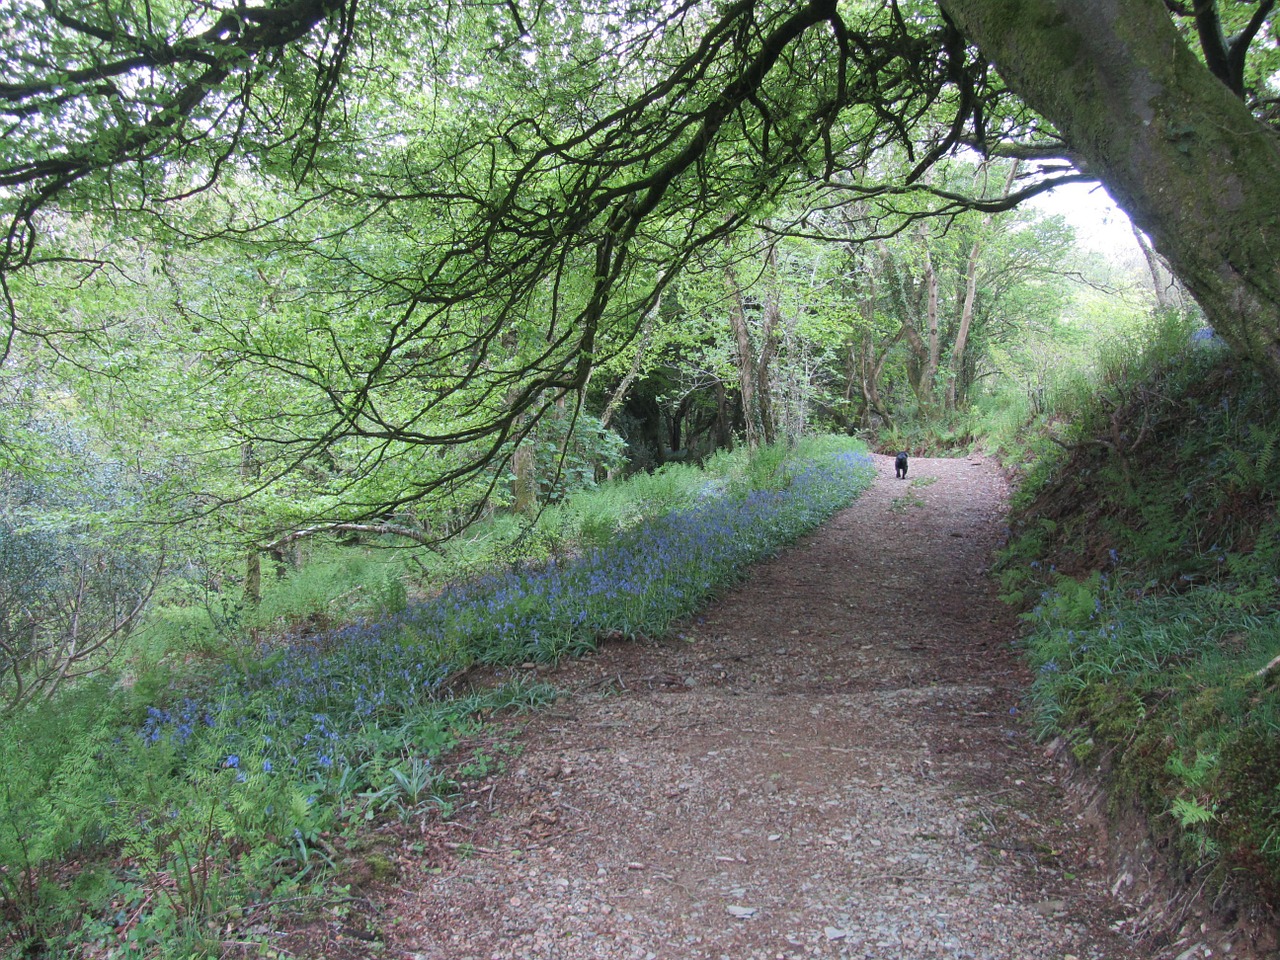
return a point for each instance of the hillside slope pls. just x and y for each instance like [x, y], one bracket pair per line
[1146, 554]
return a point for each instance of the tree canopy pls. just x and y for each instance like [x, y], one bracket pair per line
[445, 220]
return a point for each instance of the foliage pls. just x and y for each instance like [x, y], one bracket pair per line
[244, 782]
[1164, 686]
[396, 285]
[1048, 374]
[311, 356]
[49, 754]
[318, 268]
[1151, 542]
[74, 574]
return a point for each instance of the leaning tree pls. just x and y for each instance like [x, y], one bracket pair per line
[1186, 145]
[534, 175]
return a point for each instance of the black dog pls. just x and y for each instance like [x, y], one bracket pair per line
[900, 466]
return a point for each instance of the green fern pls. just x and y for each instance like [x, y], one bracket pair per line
[1197, 773]
[1191, 813]
[1251, 461]
[1267, 441]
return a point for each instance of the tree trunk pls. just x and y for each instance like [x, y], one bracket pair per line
[918, 367]
[930, 352]
[249, 472]
[971, 293]
[966, 321]
[872, 368]
[747, 375]
[524, 486]
[769, 340]
[724, 429]
[677, 424]
[637, 361]
[1161, 282]
[862, 368]
[524, 480]
[1176, 149]
[873, 361]
[919, 304]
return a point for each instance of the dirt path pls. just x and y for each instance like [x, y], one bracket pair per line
[823, 764]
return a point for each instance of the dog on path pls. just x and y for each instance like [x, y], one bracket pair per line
[900, 465]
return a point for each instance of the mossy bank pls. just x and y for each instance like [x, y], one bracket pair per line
[1145, 552]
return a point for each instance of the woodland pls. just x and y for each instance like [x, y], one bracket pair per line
[344, 340]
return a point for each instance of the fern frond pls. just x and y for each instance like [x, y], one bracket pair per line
[1269, 440]
[1190, 813]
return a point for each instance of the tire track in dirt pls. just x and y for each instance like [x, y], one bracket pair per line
[822, 764]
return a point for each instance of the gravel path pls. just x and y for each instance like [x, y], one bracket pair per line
[828, 762]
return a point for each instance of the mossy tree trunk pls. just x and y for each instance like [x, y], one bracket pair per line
[1175, 147]
[770, 340]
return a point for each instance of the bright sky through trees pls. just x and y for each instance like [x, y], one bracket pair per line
[1099, 224]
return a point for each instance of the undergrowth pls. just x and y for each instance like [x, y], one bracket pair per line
[941, 436]
[144, 817]
[1146, 553]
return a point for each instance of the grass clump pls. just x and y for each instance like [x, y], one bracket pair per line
[1163, 689]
